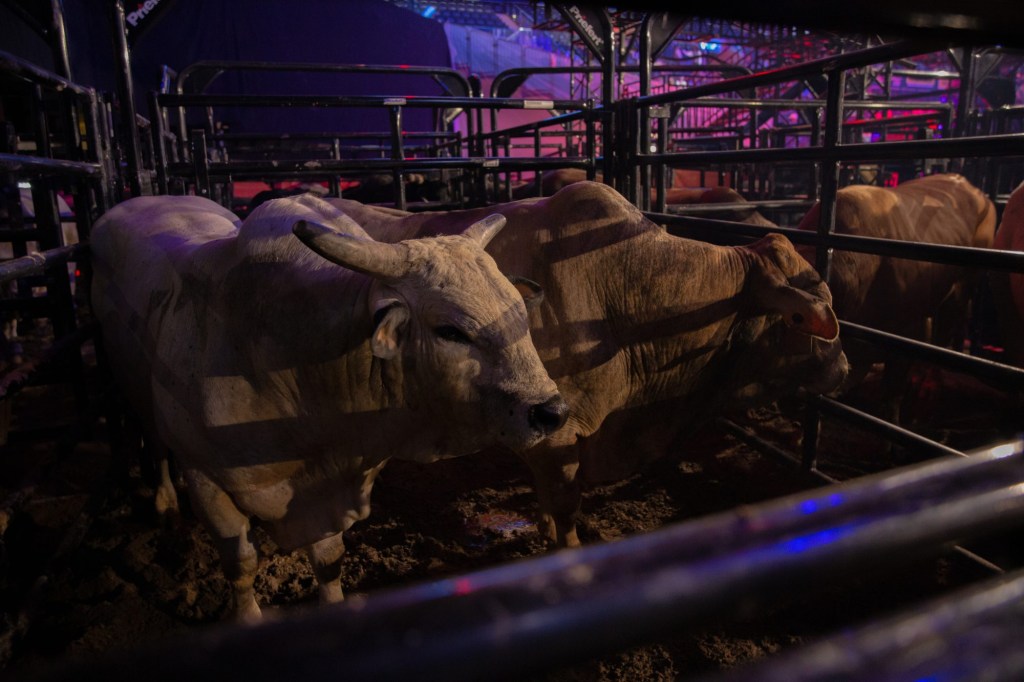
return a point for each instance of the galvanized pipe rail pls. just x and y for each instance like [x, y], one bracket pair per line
[204, 171]
[223, 169]
[37, 165]
[38, 263]
[847, 60]
[989, 145]
[518, 619]
[29, 72]
[214, 69]
[969, 635]
[967, 256]
[515, 77]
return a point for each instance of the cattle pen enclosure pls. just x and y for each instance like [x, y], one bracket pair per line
[872, 533]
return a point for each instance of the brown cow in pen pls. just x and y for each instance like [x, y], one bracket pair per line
[552, 181]
[647, 335]
[1007, 287]
[916, 299]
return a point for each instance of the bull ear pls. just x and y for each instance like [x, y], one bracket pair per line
[531, 292]
[483, 231]
[351, 247]
[800, 310]
[772, 292]
[390, 319]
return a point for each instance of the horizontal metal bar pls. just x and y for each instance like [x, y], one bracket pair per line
[527, 71]
[967, 256]
[219, 170]
[972, 634]
[514, 620]
[892, 121]
[323, 101]
[1006, 376]
[528, 128]
[38, 263]
[847, 60]
[761, 445]
[37, 165]
[222, 66]
[28, 71]
[334, 136]
[850, 104]
[740, 206]
[990, 145]
[891, 432]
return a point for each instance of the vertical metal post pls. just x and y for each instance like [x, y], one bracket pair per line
[591, 141]
[334, 181]
[99, 140]
[663, 125]
[59, 44]
[159, 148]
[608, 78]
[826, 224]
[965, 97]
[537, 184]
[646, 58]
[200, 162]
[397, 154]
[126, 95]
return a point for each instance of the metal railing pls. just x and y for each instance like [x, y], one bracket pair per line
[525, 617]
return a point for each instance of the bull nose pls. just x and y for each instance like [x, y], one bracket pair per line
[550, 415]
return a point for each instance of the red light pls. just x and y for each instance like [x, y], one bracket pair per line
[463, 587]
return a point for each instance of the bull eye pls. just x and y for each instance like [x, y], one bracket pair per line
[798, 318]
[451, 333]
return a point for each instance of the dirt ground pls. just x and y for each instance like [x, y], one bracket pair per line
[118, 580]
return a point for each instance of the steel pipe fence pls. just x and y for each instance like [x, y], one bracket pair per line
[206, 172]
[67, 127]
[569, 605]
[828, 154]
[967, 636]
[524, 617]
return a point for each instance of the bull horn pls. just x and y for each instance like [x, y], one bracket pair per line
[483, 231]
[353, 249]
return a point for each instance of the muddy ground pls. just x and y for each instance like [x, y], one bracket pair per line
[119, 581]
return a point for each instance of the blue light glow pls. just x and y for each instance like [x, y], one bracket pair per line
[429, 11]
[811, 506]
[710, 46]
[803, 543]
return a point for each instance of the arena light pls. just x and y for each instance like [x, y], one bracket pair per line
[710, 46]
[429, 11]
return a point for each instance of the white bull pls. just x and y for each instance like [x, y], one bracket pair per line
[283, 382]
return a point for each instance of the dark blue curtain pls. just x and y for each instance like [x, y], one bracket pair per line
[323, 31]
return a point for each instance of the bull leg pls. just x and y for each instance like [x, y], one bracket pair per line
[325, 556]
[558, 494]
[231, 534]
[166, 498]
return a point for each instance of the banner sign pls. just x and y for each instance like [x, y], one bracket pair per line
[592, 24]
[140, 15]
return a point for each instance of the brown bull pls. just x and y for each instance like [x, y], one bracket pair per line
[1008, 288]
[912, 298]
[647, 335]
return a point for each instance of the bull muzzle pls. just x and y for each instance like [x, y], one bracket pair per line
[548, 416]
